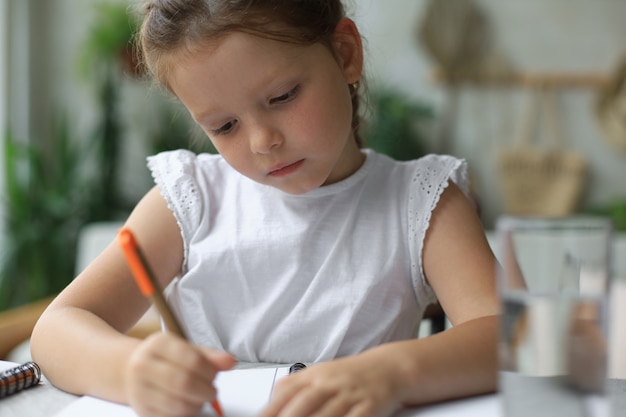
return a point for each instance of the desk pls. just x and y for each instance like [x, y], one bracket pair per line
[46, 400]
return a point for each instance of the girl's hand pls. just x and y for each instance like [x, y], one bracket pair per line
[357, 386]
[167, 376]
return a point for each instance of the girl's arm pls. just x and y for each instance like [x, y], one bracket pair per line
[79, 341]
[458, 362]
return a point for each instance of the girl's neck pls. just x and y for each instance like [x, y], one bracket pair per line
[350, 161]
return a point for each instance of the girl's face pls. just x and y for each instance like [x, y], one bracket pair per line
[278, 113]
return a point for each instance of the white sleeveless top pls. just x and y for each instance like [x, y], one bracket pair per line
[275, 277]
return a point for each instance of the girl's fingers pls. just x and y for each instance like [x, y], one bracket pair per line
[344, 388]
[156, 403]
[222, 361]
[184, 383]
[306, 403]
[281, 395]
[169, 376]
[172, 364]
[334, 407]
[298, 395]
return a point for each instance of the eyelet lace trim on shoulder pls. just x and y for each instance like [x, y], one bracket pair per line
[174, 173]
[431, 177]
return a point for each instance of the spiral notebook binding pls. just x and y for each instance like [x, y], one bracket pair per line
[19, 378]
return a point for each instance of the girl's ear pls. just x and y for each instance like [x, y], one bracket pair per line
[348, 49]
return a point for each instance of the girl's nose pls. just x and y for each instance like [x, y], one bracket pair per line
[264, 138]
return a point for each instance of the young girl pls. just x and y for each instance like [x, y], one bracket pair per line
[291, 245]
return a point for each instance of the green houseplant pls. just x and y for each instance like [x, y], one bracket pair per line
[107, 57]
[52, 191]
[615, 210]
[49, 193]
[109, 43]
[109, 62]
[396, 126]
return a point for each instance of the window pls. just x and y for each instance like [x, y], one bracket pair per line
[4, 93]
[4, 28]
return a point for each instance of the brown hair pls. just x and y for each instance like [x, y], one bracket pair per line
[171, 26]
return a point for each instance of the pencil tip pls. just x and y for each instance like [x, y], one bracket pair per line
[217, 408]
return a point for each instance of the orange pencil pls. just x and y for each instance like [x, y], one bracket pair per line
[149, 286]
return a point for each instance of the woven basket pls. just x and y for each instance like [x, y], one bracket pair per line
[540, 180]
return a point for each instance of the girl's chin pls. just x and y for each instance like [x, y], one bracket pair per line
[297, 187]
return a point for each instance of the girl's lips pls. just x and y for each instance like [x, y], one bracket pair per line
[282, 170]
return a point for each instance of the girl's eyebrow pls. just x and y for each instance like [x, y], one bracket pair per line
[269, 89]
[266, 83]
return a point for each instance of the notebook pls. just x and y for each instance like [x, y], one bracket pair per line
[246, 392]
[15, 378]
[241, 392]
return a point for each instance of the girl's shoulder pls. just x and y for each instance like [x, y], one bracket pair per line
[184, 179]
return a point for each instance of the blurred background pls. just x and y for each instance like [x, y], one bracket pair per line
[532, 94]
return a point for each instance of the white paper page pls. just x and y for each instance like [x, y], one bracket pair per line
[241, 393]
[245, 392]
[94, 407]
[4, 365]
[281, 373]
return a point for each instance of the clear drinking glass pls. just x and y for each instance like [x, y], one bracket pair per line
[554, 280]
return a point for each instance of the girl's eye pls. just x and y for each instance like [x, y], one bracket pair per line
[226, 128]
[288, 96]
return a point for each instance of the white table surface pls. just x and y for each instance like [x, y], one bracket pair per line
[45, 400]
